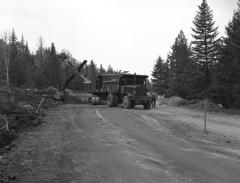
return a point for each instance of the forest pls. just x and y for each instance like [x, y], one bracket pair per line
[206, 68]
[24, 69]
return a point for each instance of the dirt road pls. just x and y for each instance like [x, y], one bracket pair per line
[83, 143]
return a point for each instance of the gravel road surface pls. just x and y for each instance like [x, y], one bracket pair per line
[91, 144]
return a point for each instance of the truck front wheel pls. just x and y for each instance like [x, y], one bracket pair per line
[116, 100]
[126, 102]
[147, 105]
[110, 100]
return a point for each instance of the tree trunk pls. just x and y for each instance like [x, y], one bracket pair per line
[7, 72]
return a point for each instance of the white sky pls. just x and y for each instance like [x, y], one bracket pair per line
[127, 34]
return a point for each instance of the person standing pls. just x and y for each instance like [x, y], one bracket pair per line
[154, 99]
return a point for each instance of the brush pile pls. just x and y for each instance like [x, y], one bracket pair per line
[18, 112]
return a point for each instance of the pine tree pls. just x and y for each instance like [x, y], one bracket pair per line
[40, 60]
[110, 69]
[228, 87]
[205, 44]
[28, 66]
[160, 76]
[2, 60]
[16, 74]
[92, 71]
[102, 70]
[54, 68]
[181, 68]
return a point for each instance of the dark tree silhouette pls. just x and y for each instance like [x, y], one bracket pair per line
[181, 68]
[228, 86]
[205, 44]
[160, 76]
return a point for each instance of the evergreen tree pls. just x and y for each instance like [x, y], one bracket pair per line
[180, 68]
[23, 60]
[29, 68]
[2, 60]
[160, 76]
[102, 70]
[227, 91]
[110, 70]
[92, 71]
[205, 44]
[54, 68]
[40, 60]
[16, 74]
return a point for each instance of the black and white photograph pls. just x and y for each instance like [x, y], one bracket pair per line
[119, 91]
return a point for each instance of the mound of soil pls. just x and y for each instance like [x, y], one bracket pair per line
[173, 101]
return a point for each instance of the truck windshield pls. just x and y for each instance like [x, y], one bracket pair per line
[130, 81]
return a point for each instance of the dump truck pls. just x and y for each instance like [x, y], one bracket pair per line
[126, 89]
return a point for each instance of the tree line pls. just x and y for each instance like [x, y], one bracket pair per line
[19, 67]
[208, 67]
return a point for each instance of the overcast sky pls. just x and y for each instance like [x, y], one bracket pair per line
[127, 34]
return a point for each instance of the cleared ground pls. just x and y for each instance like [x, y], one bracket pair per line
[84, 143]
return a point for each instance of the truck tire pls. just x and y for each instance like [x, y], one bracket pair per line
[126, 102]
[147, 105]
[132, 104]
[116, 100]
[110, 100]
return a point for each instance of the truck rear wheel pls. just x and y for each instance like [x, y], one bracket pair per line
[116, 100]
[110, 100]
[126, 102]
[147, 105]
[132, 104]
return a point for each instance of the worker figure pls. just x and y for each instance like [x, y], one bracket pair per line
[154, 98]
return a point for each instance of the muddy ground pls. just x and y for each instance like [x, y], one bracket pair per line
[84, 143]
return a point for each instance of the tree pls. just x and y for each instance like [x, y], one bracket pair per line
[16, 74]
[41, 63]
[101, 69]
[181, 68]
[54, 68]
[205, 44]
[160, 76]
[40, 50]
[92, 71]
[27, 64]
[110, 70]
[4, 59]
[227, 91]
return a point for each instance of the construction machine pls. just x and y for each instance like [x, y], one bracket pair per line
[60, 94]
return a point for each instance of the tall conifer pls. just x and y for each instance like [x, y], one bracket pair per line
[205, 43]
[180, 68]
[160, 76]
[228, 90]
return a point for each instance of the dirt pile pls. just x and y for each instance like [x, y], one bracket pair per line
[68, 96]
[195, 104]
[76, 98]
[211, 106]
[173, 101]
